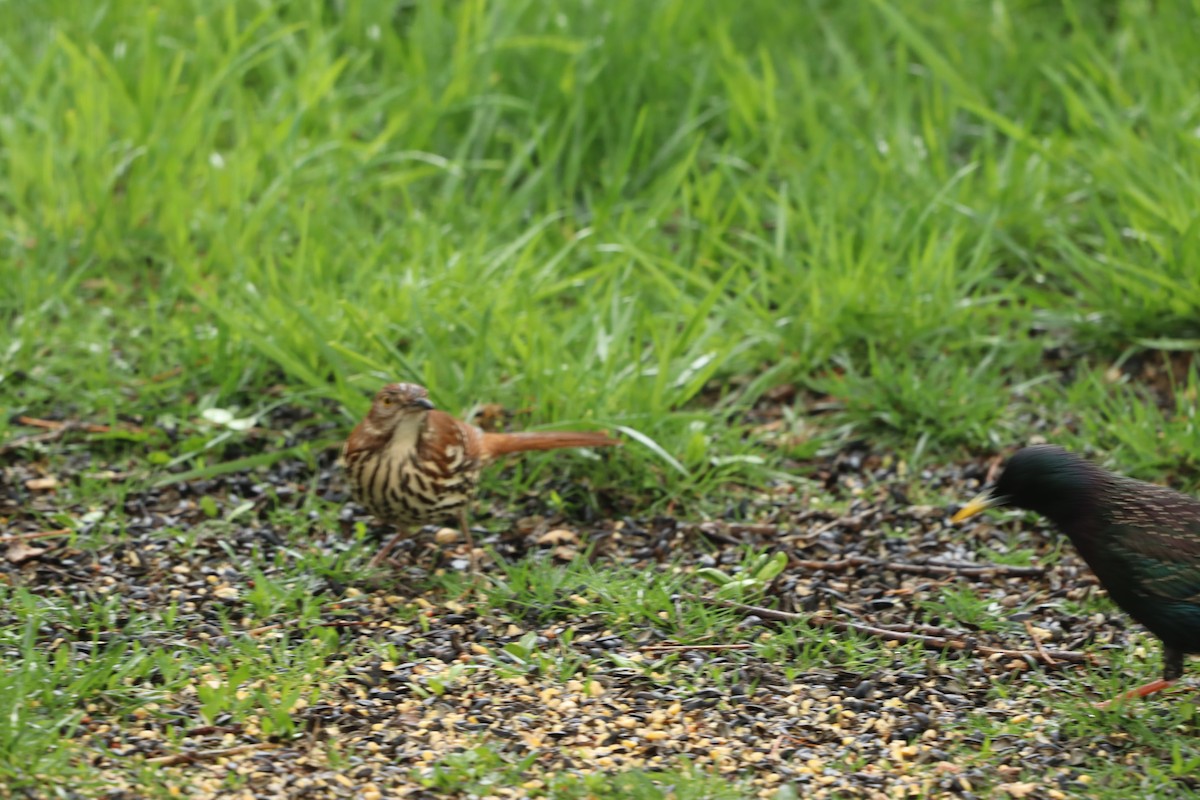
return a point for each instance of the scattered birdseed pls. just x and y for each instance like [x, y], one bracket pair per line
[403, 683]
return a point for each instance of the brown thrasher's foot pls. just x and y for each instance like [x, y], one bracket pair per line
[381, 557]
[469, 539]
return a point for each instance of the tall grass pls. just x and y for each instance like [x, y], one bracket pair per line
[590, 209]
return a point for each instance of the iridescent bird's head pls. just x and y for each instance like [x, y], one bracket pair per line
[1044, 478]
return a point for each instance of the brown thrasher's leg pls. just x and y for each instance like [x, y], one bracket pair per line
[388, 546]
[466, 529]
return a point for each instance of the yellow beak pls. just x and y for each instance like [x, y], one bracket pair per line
[981, 502]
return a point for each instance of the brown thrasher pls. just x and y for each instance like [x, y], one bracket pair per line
[410, 464]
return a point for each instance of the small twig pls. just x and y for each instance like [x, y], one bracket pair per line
[294, 624]
[162, 376]
[779, 740]
[107, 475]
[908, 591]
[58, 425]
[916, 627]
[829, 525]
[999, 569]
[768, 528]
[193, 756]
[712, 531]
[206, 730]
[1037, 643]
[965, 570]
[673, 648]
[55, 430]
[758, 611]
[1049, 657]
[36, 438]
[993, 470]
[25, 537]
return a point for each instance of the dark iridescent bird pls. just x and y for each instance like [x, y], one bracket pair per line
[1141, 540]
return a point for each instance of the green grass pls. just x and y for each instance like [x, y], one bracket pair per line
[954, 224]
[477, 771]
[561, 212]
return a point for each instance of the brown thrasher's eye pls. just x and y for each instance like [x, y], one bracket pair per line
[387, 401]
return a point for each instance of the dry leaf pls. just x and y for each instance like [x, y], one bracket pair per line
[20, 552]
[1018, 789]
[46, 484]
[558, 536]
[1041, 634]
[565, 553]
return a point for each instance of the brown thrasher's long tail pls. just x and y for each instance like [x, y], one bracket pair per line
[498, 444]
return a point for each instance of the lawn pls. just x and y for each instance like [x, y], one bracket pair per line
[817, 263]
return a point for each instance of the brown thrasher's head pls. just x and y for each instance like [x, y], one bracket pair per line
[397, 402]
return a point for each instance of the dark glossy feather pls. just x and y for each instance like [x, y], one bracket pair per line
[1156, 531]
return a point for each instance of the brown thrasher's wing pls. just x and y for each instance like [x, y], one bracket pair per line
[448, 441]
[498, 444]
[362, 438]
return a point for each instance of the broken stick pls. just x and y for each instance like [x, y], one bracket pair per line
[1048, 657]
